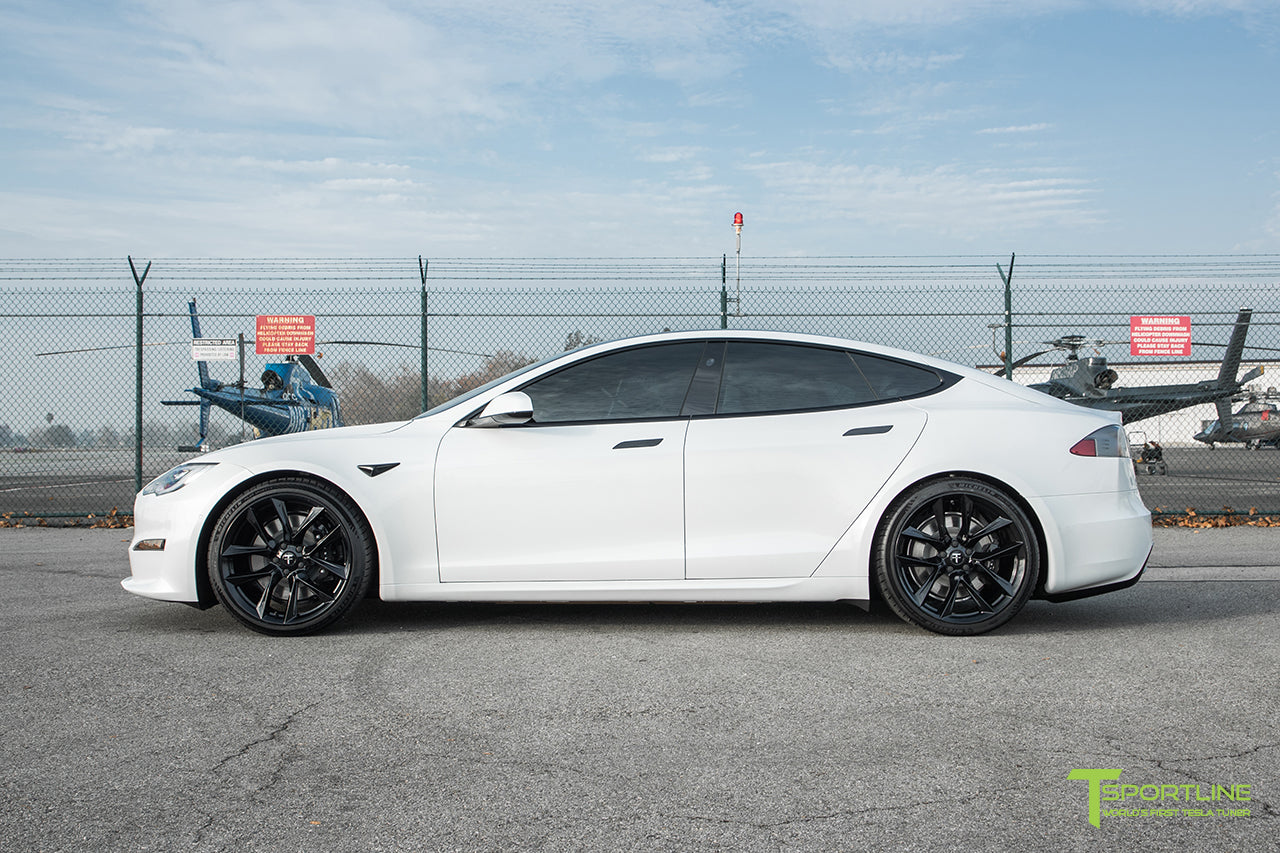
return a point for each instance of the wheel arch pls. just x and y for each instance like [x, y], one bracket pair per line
[1023, 504]
[204, 587]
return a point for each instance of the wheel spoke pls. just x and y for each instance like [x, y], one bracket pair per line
[983, 605]
[922, 592]
[999, 553]
[950, 603]
[966, 517]
[291, 605]
[319, 543]
[328, 597]
[940, 519]
[282, 513]
[251, 517]
[994, 577]
[246, 550]
[998, 524]
[310, 519]
[267, 593]
[339, 569]
[247, 578]
[933, 541]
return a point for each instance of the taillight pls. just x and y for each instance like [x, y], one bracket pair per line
[1104, 441]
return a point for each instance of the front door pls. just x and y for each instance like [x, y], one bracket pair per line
[592, 489]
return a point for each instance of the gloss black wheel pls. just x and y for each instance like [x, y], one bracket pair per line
[290, 556]
[957, 556]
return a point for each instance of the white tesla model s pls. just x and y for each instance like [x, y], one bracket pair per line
[690, 466]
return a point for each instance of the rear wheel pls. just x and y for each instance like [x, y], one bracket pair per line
[290, 556]
[956, 556]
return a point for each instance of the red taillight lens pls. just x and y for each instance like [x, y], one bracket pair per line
[1109, 441]
[1085, 447]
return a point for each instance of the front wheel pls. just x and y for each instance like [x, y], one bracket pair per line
[290, 556]
[956, 556]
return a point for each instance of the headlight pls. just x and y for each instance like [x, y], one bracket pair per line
[176, 478]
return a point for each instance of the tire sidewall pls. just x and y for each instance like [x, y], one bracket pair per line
[894, 522]
[336, 502]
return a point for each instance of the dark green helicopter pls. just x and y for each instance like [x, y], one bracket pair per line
[1256, 424]
[1090, 382]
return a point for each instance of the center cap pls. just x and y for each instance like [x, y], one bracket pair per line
[288, 556]
[956, 558]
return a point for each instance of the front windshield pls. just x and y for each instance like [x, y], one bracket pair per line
[477, 391]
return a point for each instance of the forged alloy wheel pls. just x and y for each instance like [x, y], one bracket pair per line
[957, 556]
[290, 556]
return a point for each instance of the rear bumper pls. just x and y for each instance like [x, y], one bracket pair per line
[1104, 543]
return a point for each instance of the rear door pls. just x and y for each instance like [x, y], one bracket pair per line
[802, 439]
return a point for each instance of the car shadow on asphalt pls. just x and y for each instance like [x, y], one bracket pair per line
[1149, 604]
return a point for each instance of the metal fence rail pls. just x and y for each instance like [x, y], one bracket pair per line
[92, 349]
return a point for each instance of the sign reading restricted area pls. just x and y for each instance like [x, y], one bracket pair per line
[1159, 336]
[213, 349]
[293, 334]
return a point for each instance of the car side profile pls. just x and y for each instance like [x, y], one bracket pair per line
[688, 466]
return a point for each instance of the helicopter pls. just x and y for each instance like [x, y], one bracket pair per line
[1256, 425]
[295, 396]
[1090, 382]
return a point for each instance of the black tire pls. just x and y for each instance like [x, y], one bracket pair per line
[956, 556]
[291, 556]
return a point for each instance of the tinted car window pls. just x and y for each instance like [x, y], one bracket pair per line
[647, 382]
[894, 379]
[761, 377]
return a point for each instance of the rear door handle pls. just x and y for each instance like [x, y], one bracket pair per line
[872, 430]
[639, 442]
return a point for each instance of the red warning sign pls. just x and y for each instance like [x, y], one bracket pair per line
[1167, 336]
[293, 334]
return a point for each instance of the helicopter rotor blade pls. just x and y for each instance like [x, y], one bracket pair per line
[406, 346]
[314, 369]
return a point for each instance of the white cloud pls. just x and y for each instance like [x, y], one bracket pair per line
[1020, 128]
[942, 200]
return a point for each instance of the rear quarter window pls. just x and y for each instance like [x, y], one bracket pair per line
[893, 380]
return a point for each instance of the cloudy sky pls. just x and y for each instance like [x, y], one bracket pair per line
[542, 128]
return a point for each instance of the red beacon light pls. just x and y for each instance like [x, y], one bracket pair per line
[737, 220]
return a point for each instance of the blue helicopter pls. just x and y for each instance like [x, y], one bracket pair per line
[295, 396]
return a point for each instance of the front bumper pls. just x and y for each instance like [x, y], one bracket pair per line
[178, 518]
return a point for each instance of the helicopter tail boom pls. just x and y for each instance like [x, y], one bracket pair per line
[1235, 350]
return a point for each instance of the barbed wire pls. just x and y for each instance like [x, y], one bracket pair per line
[899, 268]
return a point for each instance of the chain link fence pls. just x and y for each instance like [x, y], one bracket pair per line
[97, 379]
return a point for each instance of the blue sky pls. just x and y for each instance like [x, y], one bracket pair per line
[197, 128]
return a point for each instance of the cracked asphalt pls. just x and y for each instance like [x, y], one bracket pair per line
[136, 725]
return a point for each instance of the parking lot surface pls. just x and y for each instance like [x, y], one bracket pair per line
[138, 725]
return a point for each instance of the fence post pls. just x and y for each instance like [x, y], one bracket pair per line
[137, 422]
[724, 291]
[1008, 317]
[422, 273]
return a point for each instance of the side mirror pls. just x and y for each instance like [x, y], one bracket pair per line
[509, 409]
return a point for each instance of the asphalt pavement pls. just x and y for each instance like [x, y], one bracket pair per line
[137, 725]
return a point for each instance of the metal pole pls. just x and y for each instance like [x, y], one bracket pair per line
[243, 422]
[422, 273]
[137, 421]
[738, 272]
[1008, 317]
[724, 291]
